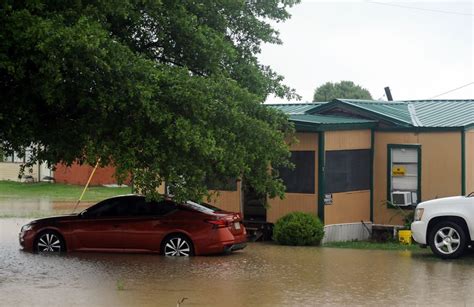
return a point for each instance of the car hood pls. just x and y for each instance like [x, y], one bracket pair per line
[53, 219]
[443, 201]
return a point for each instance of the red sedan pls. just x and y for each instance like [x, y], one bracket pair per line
[131, 224]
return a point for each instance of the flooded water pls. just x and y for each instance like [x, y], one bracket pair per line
[36, 207]
[261, 275]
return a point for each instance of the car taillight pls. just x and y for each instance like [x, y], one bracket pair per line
[218, 223]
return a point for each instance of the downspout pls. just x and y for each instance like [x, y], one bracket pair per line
[372, 155]
[463, 162]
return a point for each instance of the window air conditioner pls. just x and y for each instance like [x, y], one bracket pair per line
[401, 198]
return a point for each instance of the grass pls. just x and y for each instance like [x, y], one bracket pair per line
[57, 191]
[390, 245]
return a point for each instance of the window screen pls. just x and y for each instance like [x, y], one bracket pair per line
[347, 170]
[301, 178]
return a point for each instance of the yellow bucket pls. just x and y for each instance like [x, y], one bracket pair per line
[404, 236]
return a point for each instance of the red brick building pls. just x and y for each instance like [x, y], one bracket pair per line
[79, 174]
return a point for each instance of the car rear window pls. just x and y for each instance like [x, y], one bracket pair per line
[202, 207]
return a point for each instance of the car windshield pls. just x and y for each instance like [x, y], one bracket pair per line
[202, 207]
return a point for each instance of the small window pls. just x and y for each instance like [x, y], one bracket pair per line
[404, 172]
[347, 170]
[301, 178]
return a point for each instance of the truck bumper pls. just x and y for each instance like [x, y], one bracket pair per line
[419, 232]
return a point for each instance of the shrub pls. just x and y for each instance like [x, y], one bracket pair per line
[298, 228]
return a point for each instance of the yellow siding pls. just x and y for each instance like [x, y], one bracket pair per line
[470, 161]
[306, 141]
[10, 171]
[227, 200]
[297, 201]
[441, 168]
[347, 140]
[161, 188]
[348, 207]
[354, 206]
[293, 202]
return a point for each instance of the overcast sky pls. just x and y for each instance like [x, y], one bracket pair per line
[420, 52]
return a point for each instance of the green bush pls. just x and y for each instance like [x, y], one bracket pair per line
[298, 228]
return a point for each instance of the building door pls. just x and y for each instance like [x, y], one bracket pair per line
[254, 205]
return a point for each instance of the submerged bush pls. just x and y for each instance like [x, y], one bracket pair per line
[298, 228]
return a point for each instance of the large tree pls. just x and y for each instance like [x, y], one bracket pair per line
[169, 90]
[344, 89]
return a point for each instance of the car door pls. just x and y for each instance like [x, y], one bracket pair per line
[150, 221]
[99, 227]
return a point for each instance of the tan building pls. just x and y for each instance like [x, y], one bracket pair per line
[369, 161]
[10, 166]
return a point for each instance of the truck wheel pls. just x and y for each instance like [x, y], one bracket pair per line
[447, 240]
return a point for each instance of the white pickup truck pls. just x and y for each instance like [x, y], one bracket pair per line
[445, 224]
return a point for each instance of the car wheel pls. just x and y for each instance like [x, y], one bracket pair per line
[177, 246]
[447, 240]
[49, 242]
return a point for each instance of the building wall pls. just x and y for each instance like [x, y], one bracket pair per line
[10, 171]
[354, 206]
[79, 174]
[347, 140]
[297, 201]
[227, 200]
[470, 161]
[440, 168]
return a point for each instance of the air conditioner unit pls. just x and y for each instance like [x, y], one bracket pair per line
[401, 198]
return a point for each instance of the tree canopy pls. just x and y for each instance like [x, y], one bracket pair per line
[344, 89]
[168, 90]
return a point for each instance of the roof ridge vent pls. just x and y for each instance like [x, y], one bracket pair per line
[414, 118]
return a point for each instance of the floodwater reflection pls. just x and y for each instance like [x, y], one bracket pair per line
[260, 275]
[32, 207]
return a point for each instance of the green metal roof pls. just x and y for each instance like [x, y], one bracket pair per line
[414, 113]
[296, 108]
[317, 122]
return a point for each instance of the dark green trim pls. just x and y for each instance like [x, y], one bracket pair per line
[420, 129]
[469, 127]
[321, 175]
[372, 155]
[420, 163]
[389, 168]
[316, 127]
[463, 163]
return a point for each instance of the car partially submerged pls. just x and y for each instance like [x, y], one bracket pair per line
[445, 224]
[130, 223]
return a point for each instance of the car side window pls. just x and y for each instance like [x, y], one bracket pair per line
[106, 208]
[141, 207]
[162, 207]
[131, 206]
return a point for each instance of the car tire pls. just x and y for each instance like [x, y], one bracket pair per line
[447, 240]
[49, 241]
[177, 246]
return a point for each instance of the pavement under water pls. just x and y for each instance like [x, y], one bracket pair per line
[263, 274]
[36, 207]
